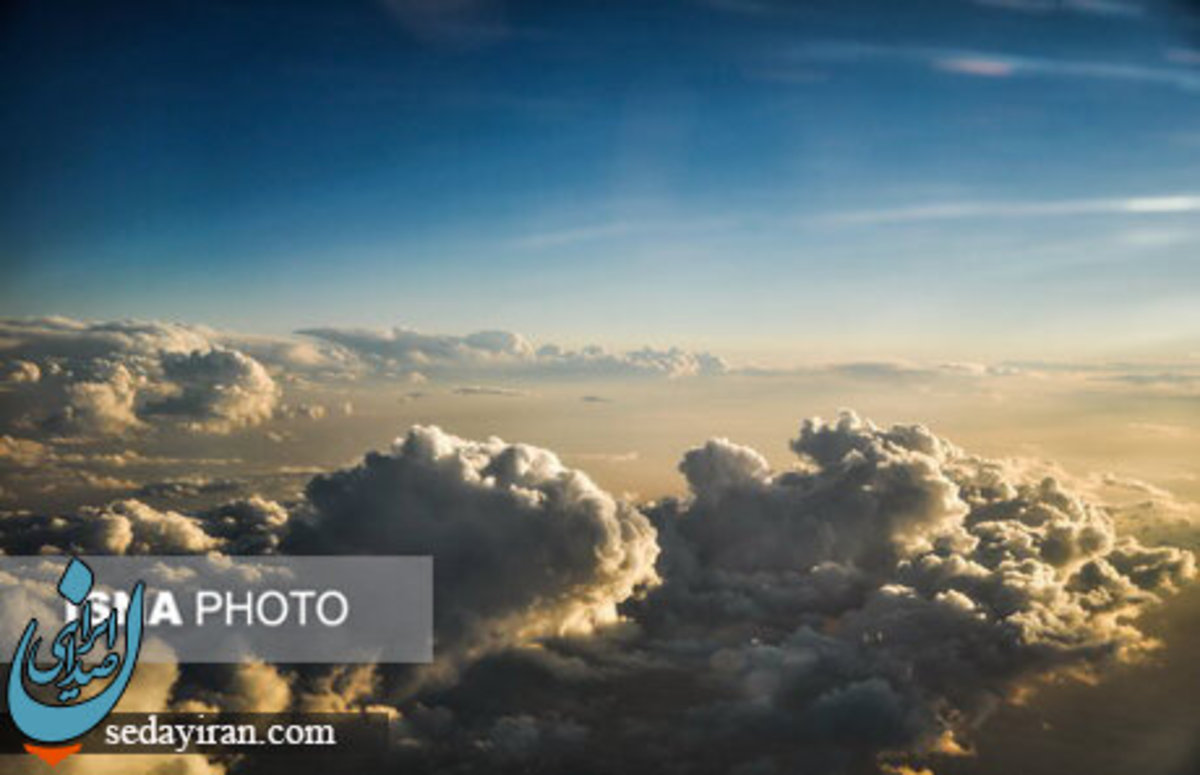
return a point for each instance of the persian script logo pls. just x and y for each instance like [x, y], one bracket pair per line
[60, 716]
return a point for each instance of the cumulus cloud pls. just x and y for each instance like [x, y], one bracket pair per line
[296, 358]
[523, 546]
[22, 453]
[302, 411]
[123, 527]
[865, 607]
[253, 525]
[22, 371]
[248, 687]
[105, 379]
[882, 596]
[216, 391]
[249, 526]
[102, 404]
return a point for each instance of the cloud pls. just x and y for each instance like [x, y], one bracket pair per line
[991, 64]
[1156, 379]
[123, 527]
[401, 351]
[107, 379]
[249, 687]
[1129, 206]
[484, 390]
[553, 239]
[103, 405]
[301, 411]
[1109, 8]
[23, 371]
[413, 348]
[872, 603]
[980, 66]
[631, 456]
[253, 525]
[293, 357]
[883, 596]
[458, 26]
[22, 453]
[61, 474]
[1184, 56]
[218, 390]
[1162, 430]
[894, 371]
[188, 487]
[524, 547]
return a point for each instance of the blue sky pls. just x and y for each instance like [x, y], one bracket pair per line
[1010, 177]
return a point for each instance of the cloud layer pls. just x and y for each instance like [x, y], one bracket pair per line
[869, 606]
[399, 349]
[65, 379]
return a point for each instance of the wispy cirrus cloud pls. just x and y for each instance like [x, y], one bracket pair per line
[998, 64]
[622, 228]
[559, 237]
[1111, 8]
[1171, 204]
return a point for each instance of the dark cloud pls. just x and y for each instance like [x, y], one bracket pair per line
[875, 602]
[884, 596]
[524, 547]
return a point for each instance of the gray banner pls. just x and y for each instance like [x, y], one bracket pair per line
[231, 609]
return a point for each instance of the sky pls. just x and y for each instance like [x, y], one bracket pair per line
[780, 180]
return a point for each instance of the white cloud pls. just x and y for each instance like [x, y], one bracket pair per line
[104, 379]
[1174, 204]
[990, 64]
[1110, 8]
[401, 351]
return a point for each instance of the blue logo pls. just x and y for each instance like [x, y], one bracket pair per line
[67, 717]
